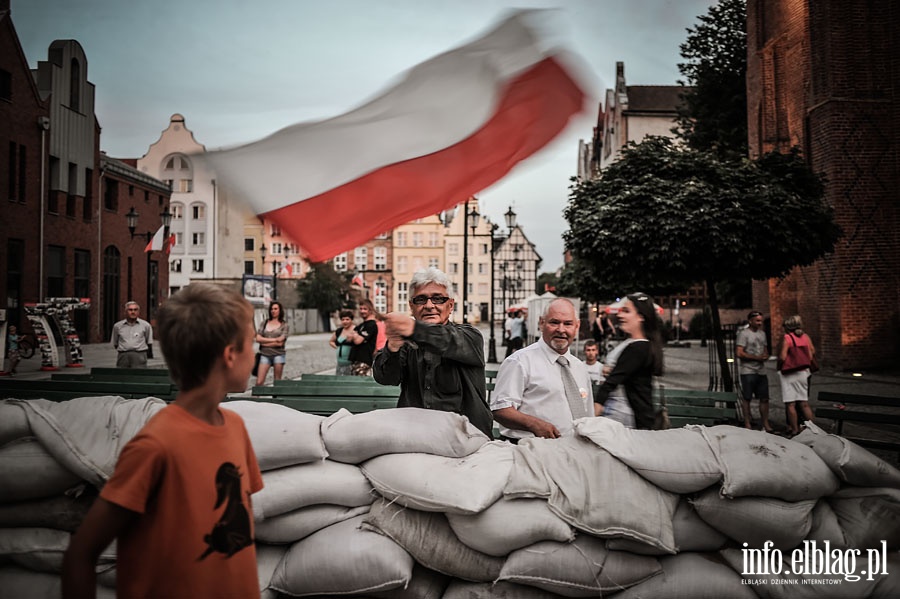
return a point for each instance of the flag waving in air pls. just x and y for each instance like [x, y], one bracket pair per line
[450, 127]
[158, 242]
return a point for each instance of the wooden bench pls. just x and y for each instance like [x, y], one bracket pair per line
[864, 409]
[690, 406]
[62, 390]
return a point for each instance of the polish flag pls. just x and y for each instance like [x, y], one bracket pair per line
[287, 269]
[451, 127]
[358, 280]
[156, 243]
[170, 243]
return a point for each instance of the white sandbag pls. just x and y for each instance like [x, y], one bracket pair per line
[22, 583]
[868, 516]
[268, 557]
[461, 589]
[851, 463]
[354, 438]
[291, 488]
[678, 460]
[690, 576]
[62, 512]
[756, 520]
[790, 585]
[761, 464]
[510, 524]
[593, 491]
[13, 422]
[42, 549]
[86, 434]
[281, 436]
[690, 531]
[425, 584]
[299, 524]
[439, 484]
[342, 559]
[826, 526]
[427, 537]
[28, 472]
[582, 568]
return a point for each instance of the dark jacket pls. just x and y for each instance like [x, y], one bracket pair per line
[365, 351]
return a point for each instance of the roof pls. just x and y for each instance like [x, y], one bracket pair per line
[654, 98]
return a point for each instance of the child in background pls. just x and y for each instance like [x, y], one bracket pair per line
[178, 502]
[12, 348]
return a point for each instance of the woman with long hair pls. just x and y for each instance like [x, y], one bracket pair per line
[271, 336]
[363, 351]
[341, 340]
[796, 356]
[627, 392]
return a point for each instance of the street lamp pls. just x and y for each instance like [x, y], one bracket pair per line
[262, 252]
[131, 219]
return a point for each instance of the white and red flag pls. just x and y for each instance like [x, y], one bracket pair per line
[158, 242]
[287, 270]
[451, 127]
[358, 280]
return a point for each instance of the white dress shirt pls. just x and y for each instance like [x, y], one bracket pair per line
[530, 381]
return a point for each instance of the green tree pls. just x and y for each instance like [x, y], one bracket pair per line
[546, 281]
[323, 289]
[665, 216]
[714, 113]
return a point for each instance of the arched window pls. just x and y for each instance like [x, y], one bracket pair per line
[179, 172]
[75, 85]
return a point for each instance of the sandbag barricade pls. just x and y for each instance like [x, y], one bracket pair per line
[414, 504]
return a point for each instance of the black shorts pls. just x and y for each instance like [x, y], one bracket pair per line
[755, 385]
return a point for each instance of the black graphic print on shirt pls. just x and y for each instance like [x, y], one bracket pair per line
[232, 532]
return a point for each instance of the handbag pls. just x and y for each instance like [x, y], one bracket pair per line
[255, 370]
[796, 360]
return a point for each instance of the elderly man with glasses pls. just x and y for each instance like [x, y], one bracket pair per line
[438, 364]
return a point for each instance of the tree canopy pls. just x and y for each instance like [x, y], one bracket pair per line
[714, 114]
[323, 288]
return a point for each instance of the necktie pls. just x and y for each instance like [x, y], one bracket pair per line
[573, 395]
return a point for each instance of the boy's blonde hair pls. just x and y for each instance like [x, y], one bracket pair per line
[196, 325]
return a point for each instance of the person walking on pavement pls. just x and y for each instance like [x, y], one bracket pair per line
[132, 338]
[796, 356]
[751, 351]
[515, 332]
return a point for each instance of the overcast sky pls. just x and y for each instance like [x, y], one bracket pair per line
[240, 70]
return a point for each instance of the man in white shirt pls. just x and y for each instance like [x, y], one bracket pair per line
[515, 333]
[530, 398]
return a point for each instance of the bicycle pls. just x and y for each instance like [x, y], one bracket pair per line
[27, 345]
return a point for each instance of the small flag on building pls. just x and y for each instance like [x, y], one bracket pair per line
[156, 243]
[358, 280]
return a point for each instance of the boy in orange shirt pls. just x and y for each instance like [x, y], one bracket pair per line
[179, 499]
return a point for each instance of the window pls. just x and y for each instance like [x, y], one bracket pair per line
[16, 184]
[482, 268]
[71, 200]
[380, 296]
[87, 206]
[402, 264]
[197, 265]
[249, 245]
[169, 182]
[177, 211]
[384, 235]
[276, 248]
[340, 262]
[484, 248]
[5, 85]
[75, 85]
[56, 271]
[360, 258]
[249, 267]
[198, 211]
[179, 238]
[111, 194]
[185, 185]
[401, 239]
[82, 273]
[453, 249]
[454, 268]
[198, 238]
[175, 265]
[297, 269]
[417, 239]
[381, 258]
[276, 230]
[434, 261]
[433, 239]
[402, 293]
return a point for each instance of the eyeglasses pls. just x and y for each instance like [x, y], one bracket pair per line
[437, 300]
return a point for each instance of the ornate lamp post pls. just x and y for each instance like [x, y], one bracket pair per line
[262, 253]
[165, 218]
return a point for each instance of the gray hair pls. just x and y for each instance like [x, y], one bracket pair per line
[557, 300]
[430, 275]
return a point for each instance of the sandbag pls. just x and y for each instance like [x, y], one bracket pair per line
[61, 512]
[355, 438]
[267, 559]
[755, 520]
[461, 589]
[291, 488]
[790, 585]
[510, 524]
[86, 434]
[439, 484]
[427, 537]
[299, 524]
[765, 465]
[28, 471]
[593, 491]
[678, 460]
[343, 559]
[22, 583]
[582, 568]
[691, 576]
[691, 533]
[851, 463]
[425, 584]
[42, 549]
[868, 516]
[281, 436]
[826, 526]
[13, 422]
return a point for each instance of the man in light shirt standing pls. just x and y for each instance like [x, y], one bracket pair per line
[537, 394]
[132, 338]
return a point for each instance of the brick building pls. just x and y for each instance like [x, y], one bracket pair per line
[825, 76]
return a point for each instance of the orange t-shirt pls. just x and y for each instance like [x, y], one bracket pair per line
[191, 484]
